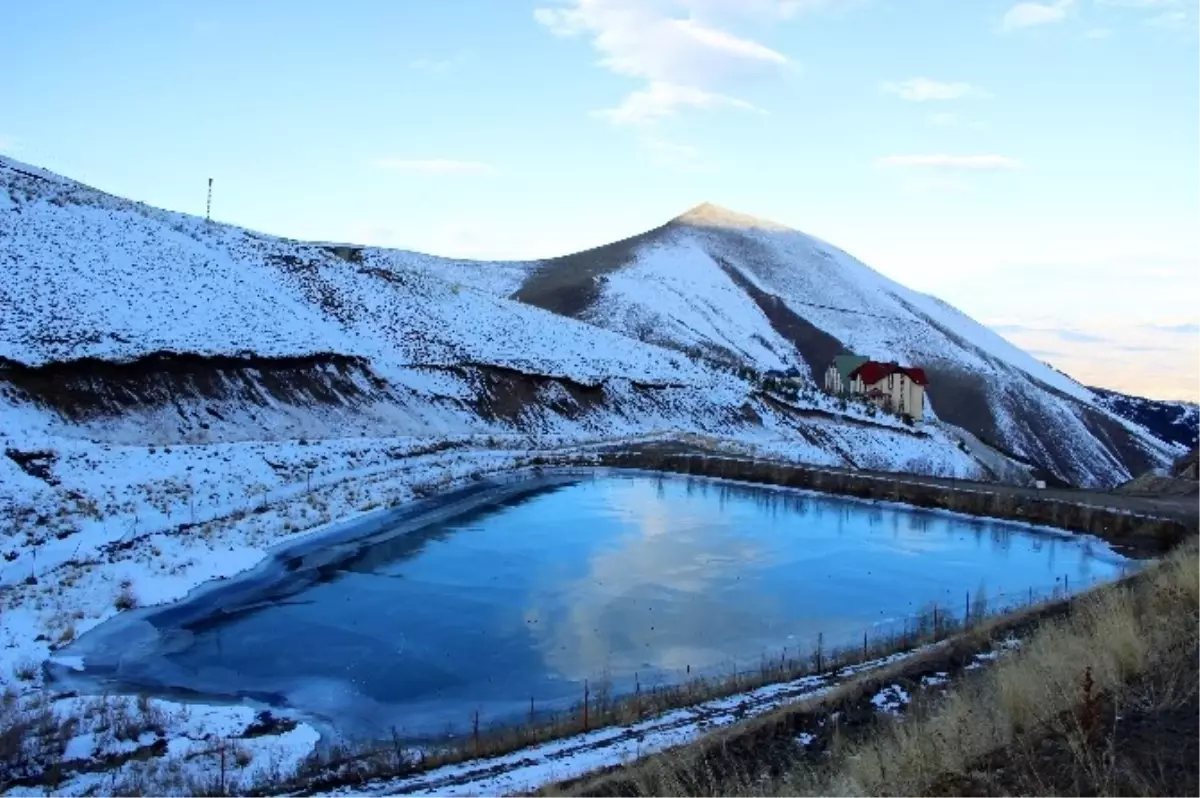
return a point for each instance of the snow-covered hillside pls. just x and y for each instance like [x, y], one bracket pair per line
[1174, 422]
[727, 287]
[124, 325]
[177, 397]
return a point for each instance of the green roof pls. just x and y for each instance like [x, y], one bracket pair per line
[848, 363]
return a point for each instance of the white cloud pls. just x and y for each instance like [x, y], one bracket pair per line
[433, 165]
[762, 9]
[639, 38]
[683, 49]
[924, 90]
[1029, 15]
[660, 100]
[1168, 19]
[1172, 14]
[972, 163]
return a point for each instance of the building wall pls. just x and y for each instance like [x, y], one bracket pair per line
[900, 394]
[833, 380]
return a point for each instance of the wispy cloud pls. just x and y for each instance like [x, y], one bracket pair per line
[684, 50]
[967, 163]
[1075, 336]
[1175, 329]
[1098, 352]
[1031, 15]
[661, 100]
[440, 166]
[639, 38]
[1069, 334]
[925, 90]
[1171, 14]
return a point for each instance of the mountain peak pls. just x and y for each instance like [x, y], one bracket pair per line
[707, 214]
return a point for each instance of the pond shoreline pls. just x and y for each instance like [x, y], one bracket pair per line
[641, 455]
[137, 650]
[1140, 535]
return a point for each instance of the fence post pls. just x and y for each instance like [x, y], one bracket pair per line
[967, 617]
[1067, 584]
[820, 649]
[935, 622]
[585, 704]
[475, 732]
[531, 710]
[864, 645]
[637, 695]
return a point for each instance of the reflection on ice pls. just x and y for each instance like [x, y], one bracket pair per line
[516, 593]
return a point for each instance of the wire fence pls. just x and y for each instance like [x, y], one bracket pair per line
[609, 698]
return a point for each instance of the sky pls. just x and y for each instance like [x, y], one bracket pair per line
[1033, 163]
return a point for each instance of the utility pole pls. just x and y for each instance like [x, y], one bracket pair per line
[208, 209]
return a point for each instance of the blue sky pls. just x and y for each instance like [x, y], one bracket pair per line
[1033, 163]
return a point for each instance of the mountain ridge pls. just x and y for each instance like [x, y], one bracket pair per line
[735, 290]
[96, 276]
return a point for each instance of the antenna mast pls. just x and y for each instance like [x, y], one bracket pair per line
[208, 209]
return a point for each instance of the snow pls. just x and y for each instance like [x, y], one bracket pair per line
[149, 503]
[935, 680]
[676, 292]
[890, 700]
[530, 768]
[678, 296]
[96, 276]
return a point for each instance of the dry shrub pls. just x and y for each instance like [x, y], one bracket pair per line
[1113, 636]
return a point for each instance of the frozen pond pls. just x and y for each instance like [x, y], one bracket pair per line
[507, 592]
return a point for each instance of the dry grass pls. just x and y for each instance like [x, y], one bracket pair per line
[1113, 638]
[1054, 717]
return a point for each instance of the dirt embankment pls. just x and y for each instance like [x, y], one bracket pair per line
[90, 387]
[205, 387]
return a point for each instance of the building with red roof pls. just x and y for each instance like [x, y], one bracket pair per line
[891, 387]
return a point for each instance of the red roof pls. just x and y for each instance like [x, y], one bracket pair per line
[873, 371]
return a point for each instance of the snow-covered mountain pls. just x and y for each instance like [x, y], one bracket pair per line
[726, 287]
[125, 324]
[178, 397]
[1174, 422]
